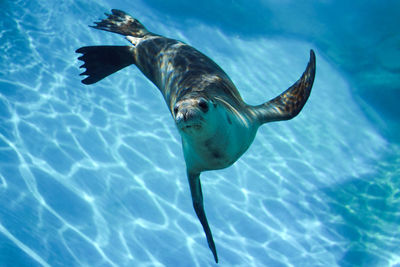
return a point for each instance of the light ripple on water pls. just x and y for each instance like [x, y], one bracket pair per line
[94, 175]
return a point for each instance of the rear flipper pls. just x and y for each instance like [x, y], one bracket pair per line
[122, 23]
[101, 61]
[197, 198]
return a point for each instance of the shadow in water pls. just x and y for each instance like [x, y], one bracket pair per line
[365, 214]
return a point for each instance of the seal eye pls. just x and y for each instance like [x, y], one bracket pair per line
[175, 110]
[203, 105]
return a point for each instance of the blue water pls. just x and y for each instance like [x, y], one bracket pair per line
[95, 176]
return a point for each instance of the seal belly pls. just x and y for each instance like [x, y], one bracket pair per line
[231, 137]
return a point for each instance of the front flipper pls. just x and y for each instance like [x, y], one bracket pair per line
[288, 104]
[197, 198]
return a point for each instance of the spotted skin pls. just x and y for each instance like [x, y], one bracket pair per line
[215, 124]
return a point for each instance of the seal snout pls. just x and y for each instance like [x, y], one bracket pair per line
[189, 112]
[184, 114]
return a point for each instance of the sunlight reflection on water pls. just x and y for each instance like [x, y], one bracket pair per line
[94, 175]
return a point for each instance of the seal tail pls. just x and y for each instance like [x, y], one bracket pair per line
[101, 61]
[288, 104]
[197, 198]
[121, 23]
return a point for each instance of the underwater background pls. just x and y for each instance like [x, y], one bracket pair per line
[95, 176]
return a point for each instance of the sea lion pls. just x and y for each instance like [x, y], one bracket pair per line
[215, 124]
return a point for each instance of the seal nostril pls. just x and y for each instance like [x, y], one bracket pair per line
[203, 105]
[185, 116]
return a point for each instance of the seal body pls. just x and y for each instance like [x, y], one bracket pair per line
[202, 99]
[215, 124]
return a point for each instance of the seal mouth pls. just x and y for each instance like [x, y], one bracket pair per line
[189, 121]
[192, 126]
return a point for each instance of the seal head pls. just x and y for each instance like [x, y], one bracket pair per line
[190, 114]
